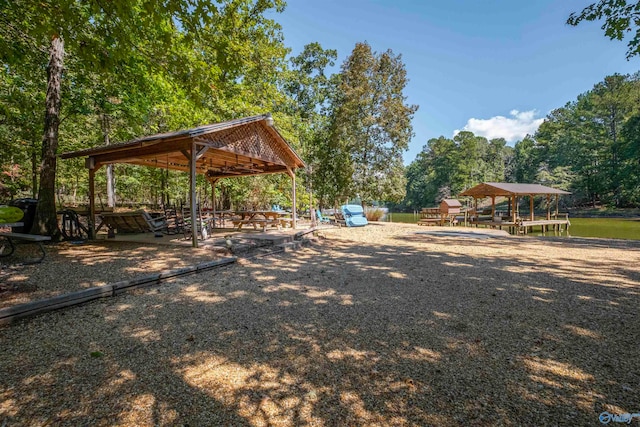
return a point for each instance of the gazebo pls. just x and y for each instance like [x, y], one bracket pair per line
[241, 147]
[513, 191]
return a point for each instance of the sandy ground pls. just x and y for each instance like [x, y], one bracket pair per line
[382, 325]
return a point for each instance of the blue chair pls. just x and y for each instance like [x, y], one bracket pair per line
[353, 216]
[322, 219]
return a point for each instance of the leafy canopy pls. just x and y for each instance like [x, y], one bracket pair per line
[620, 18]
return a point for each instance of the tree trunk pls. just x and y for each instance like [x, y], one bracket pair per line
[46, 218]
[34, 173]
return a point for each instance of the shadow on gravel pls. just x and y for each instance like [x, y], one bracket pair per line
[341, 334]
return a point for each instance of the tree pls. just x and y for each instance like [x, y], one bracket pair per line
[526, 160]
[435, 174]
[21, 100]
[418, 183]
[611, 98]
[445, 167]
[620, 17]
[630, 176]
[105, 38]
[495, 160]
[308, 84]
[310, 89]
[472, 151]
[371, 122]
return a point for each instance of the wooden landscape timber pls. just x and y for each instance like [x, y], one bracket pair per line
[11, 314]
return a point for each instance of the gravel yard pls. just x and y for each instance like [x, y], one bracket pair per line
[380, 325]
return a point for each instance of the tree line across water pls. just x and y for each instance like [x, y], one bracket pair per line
[79, 74]
[590, 147]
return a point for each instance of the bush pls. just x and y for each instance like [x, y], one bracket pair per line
[375, 214]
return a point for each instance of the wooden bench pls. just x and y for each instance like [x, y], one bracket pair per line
[238, 223]
[132, 222]
[430, 221]
[262, 223]
[14, 238]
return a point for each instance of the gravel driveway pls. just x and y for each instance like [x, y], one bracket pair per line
[372, 326]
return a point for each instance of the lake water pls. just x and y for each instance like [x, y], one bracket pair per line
[611, 228]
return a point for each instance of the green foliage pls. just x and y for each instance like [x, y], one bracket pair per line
[620, 18]
[131, 69]
[593, 139]
[446, 167]
[370, 127]
[309, 91]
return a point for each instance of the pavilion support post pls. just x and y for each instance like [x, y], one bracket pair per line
[548, 207]
[475, 210]
[192, 195]
[294, 214]
[312, 211]
[92, 201]
[531, 207]
[514, 213]
[557, 199]
[213, 200]
[493, 207]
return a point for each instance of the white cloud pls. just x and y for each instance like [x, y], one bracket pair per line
[512, 128]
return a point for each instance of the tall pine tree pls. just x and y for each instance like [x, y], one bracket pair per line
[371, 124]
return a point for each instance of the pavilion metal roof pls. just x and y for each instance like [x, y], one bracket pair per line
[488, 189]
[240, 147]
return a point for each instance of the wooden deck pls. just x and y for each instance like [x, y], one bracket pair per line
[435, 216]
[527, 226]
[544, 224]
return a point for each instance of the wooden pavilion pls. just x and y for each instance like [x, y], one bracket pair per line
[241, 147]
[513, 192]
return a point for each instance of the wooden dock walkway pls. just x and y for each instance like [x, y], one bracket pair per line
[527, 226]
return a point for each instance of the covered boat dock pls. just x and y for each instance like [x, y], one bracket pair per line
[513, 192]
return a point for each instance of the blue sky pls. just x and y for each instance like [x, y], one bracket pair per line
[493, 67]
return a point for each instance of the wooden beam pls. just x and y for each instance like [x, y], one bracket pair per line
[145, 151]
[92, 204]
[213, 198]
[221, 175]
[294, 213]
[493, 207]
[531, 214]
[548, 206]
[247, 154]
[192, 195]
[201, 152]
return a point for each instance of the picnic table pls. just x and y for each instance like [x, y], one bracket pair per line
[260, 218]
[11, 239]
[217, 218]
[11, 224]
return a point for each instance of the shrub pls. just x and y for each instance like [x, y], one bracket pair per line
[375, 214]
